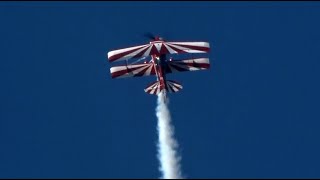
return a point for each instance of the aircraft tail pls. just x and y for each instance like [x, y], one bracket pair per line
[171, 86]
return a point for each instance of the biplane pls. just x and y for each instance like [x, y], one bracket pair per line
[158, 64]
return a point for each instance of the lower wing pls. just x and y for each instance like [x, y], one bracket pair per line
[188, 65]
[135, 70]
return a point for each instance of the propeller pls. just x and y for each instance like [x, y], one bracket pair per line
[152, 37]
[149, 36]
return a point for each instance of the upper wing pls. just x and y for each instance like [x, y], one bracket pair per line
[186, 47]
[127, 53]
[158, 48]
[188, 65]
[136, 70]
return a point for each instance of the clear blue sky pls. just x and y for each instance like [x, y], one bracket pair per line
[254, 114]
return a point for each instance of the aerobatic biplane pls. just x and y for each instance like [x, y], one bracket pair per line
[158, 64]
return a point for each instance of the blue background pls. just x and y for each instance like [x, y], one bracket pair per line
[254, 114]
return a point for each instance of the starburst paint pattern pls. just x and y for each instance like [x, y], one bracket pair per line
[147, 69]
[158, 48]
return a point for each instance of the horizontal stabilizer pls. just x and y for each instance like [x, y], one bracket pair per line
[171, 86]
[153, 88]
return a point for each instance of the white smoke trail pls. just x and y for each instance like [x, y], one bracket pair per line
[169, 161]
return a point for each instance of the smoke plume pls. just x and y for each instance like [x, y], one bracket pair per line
[167, 154]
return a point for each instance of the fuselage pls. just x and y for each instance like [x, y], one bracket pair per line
[159, 64]
[159, 61]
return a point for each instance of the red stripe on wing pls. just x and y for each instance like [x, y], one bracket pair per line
[120, 55]
[154, 50]
[123, 72]
[198, 48]
[176, 49]
[164, 50]
[129, 70]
